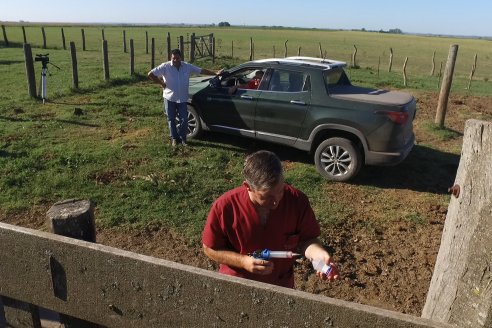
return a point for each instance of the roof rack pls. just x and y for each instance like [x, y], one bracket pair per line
[311, 61]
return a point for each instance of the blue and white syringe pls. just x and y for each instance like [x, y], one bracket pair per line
[266, 254]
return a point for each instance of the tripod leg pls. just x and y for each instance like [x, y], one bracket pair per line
[43, 84]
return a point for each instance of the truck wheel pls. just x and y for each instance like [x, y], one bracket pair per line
[338, 159]
[194, 124]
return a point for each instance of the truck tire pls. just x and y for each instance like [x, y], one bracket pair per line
[338, 159]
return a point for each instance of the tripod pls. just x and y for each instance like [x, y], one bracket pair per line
[44, 59]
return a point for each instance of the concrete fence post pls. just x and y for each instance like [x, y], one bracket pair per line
[460, 292]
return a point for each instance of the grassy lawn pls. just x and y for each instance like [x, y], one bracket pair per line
[108, 141]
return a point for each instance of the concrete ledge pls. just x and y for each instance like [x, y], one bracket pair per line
[117, 288]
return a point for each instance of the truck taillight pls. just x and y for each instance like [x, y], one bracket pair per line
[396, 117]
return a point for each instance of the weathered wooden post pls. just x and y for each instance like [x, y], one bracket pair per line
[146, 42]
[31, 77]
[72, 218]
[102, 35]
[472, 72]
[250, 48]
[285, 46]
[168, 41]
[405, 72]
[273, 51]
[213, 49]
[83, 39]
[192, 48]
[5, 39]
[433, 63]
[460, 292]
[105, 59]
[232, 49]
[75, 73]
[132, 58]
[391, 60]
[152, 53]
[124, 41]
[181, 46]
[24, 34]
[354, 57]
[442, 105]
[44, 37]
[299, 50]
[63, 39]
[320, 51]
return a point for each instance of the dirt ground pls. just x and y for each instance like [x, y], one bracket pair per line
[388, 267]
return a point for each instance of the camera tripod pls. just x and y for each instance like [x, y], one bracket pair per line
[45, 60]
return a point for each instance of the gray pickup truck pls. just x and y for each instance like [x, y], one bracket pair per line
[309, 104]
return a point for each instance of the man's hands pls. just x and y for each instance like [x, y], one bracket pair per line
[258, 266]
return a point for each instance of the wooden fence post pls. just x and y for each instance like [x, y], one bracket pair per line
[213, 50]
[24, 34]
[251, 56]
[63, 39]
[192, 48]
[320, 51]
[391, 60]
[124, 41]
[273, 51]
[132, 58]
[44, 37]
[105, 59]
[379, 64]
[83, 39]
[181, 47]
[72, 218]
[5, 39]
[354, 57]
[146, 42]
[152, 53]
[31, 77]
[474, 67]
[102, 35]
[460, 291]
[433, 63]
[446, 86]
[285, 46]
[168, 41]
[299, 50]
[405, 72]
[75, 73]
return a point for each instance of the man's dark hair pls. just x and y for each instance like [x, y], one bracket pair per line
[262, 170]
[176, 52]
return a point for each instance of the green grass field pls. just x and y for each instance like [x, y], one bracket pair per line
[116, 152]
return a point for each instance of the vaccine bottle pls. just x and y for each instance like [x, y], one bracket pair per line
[321, 266]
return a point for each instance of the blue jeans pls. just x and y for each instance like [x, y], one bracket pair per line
[175, 110]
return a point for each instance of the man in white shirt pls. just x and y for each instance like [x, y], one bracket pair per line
[174, 78]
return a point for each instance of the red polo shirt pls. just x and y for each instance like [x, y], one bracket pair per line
[232, 224]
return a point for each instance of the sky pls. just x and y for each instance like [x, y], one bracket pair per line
[444, 17]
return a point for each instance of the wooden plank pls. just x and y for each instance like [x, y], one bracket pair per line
[117, 288]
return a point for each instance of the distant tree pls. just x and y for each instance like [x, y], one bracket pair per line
[395, 31]
[224, 24]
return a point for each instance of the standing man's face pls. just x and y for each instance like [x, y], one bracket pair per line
[176, 60]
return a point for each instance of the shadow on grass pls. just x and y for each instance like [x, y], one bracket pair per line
[424, 170]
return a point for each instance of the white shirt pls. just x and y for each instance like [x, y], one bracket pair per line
[177, 81]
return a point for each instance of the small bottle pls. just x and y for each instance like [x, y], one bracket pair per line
[321, 266]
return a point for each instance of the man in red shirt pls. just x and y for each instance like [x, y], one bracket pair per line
[263, 213]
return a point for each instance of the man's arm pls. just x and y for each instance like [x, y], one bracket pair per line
[205, 71]
[157, 80]
[236, 260]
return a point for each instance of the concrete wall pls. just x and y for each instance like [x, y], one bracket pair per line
[117, 288]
